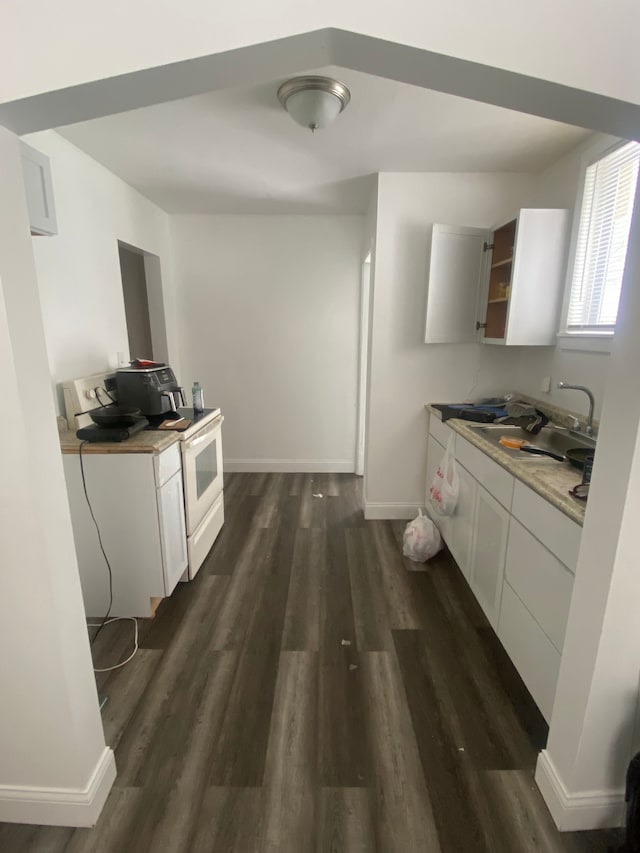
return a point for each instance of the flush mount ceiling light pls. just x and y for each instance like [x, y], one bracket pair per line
[314, 102]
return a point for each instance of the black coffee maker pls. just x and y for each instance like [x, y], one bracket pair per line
[154, 390]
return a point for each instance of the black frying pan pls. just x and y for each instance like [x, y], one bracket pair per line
[576, 456]
[115, 416]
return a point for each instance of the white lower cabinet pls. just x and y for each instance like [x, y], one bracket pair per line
[488, 550]
[541, 582]
[456, 529]
[435, 452]
[461, 525]
[532, 652]
[173, 534]
[517, 552]
[137, 502]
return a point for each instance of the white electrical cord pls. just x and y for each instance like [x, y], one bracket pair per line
[135, 639]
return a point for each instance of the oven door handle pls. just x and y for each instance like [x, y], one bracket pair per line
[203, 435]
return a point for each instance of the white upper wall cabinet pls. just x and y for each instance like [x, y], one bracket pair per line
[36, 171]
[505, 283]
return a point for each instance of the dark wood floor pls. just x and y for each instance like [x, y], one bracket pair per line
[309, 693]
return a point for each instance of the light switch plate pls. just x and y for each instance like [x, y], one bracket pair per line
[545, 385]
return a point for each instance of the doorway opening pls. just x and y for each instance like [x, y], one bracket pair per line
[143, 303]
[363, 366]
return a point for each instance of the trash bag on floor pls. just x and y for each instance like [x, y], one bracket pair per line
[421, 539]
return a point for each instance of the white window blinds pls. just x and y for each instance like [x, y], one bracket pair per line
[603, 234]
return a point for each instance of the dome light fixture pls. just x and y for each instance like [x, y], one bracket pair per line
[314, 102]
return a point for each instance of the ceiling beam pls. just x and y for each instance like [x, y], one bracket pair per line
[308, 51]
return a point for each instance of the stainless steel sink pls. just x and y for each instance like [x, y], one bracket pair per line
[556, 439]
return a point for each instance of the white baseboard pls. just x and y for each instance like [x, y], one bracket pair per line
[392, 511]
[61, 806]
[290, 466]
[582, 810]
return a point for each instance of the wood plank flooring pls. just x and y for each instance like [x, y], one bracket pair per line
[310, 692]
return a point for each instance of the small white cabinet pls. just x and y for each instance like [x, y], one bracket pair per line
[38, 187]
[137, 500]
[499, 286]
[488, 550]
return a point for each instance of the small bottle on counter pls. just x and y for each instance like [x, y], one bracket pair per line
[198, 397]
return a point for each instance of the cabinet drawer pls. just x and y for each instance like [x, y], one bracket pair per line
[557, 532]
[201, 542]
[531, 651]
[438, 430]
[495, 479]
[167, 463]
[541, 582]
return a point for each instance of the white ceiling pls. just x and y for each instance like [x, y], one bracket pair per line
[236, 150]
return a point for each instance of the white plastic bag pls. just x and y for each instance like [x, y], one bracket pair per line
[421, 539]
[445, 488]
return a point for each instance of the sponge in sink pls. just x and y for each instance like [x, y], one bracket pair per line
[513, 443]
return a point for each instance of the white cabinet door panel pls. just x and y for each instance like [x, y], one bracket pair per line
[440, 431]
[455, 270]
[493, 477]
[553, 528]
[38, 187]
[167, 463]
[173, 534]
[435, 452]
[488, 551]
[531, 651]
[461, 525]
[542, 583]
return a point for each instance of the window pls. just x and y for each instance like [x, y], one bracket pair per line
[601, 246]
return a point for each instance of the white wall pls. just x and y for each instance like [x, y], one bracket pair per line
[51, 738]
[594, 725]
[532, 38]
[558, 186]
[268, 323]
[79, 270]
[405, 372]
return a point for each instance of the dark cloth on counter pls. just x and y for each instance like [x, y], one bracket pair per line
[530, 423]
[525, 416]
[469, 412]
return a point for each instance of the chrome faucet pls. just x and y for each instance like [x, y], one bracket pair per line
[589, 427]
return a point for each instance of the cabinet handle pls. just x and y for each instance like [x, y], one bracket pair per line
[480, 325]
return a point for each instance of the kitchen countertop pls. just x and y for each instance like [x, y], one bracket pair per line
[147, 441]
[551, 480]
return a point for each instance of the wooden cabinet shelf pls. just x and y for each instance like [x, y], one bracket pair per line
[495, 301]
[502, 263]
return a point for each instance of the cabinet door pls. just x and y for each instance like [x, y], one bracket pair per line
[172, 531]
[540, 262]
[435, 452]
[36, 172]
[455, 272]
[488, 550]
[461, 525]
[525, 276]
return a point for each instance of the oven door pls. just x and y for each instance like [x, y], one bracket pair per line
[202, 472]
